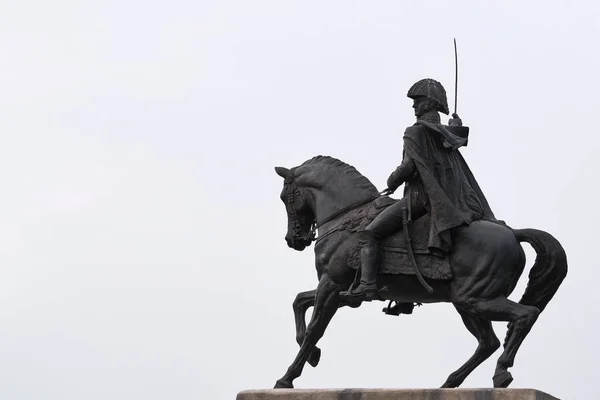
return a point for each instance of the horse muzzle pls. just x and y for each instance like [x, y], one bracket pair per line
[297, 243]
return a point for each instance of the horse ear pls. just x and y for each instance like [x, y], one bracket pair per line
[282, 172]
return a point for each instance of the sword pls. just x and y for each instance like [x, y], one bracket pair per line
[455, 77]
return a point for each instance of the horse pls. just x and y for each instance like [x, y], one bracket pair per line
[486, 261]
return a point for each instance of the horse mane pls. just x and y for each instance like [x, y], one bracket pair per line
[359, 181]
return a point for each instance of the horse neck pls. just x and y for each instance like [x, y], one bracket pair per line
[330, 199]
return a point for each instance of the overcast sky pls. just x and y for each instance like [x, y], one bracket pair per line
[141, 231]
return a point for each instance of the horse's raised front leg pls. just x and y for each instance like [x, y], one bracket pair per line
[488, 344]
[326, 304]
[303, 301]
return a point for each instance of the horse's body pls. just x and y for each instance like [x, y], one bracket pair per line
[486, 261]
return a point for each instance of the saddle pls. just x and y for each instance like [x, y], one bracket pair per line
[394, 257]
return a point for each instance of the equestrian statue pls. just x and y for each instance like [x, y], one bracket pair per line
[439, 243]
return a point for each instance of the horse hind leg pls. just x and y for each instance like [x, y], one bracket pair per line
[488, 344]
[521, 328]
[502, 309]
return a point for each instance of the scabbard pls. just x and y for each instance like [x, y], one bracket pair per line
[410, 251]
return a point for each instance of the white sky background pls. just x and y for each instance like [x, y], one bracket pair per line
[141, 231]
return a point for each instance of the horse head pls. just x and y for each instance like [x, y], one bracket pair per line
[301, 217]
[316, 190]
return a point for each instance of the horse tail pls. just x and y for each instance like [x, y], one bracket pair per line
[547, 273]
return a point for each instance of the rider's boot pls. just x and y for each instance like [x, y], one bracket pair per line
[367, 289]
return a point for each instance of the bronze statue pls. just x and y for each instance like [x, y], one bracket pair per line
[439, 243]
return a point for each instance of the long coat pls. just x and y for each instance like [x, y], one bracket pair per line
[453, 195]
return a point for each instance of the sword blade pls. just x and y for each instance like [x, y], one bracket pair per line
[455, 76]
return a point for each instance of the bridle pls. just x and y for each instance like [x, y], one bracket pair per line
[292, 195]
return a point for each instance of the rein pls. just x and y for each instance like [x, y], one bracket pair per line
[336, 214]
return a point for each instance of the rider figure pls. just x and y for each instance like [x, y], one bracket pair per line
[437, 181]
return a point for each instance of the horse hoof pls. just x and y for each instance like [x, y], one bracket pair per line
[448, 384]
[283, 385]
[315, 356]
[451, 382]
[502, 379]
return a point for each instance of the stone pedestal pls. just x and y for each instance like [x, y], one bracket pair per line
[394, 394]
